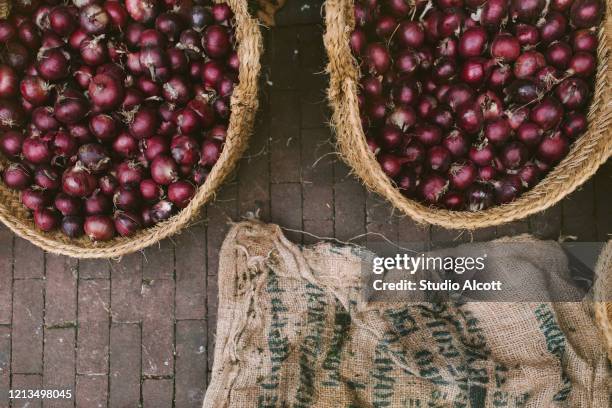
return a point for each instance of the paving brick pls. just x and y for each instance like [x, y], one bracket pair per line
[191, 273]
[59, 367]
[603, 198]
[318, 228]
[27, 340]
[93, 332]
[5, 363]
[381, 222]
[158, 328]
[314, 109]
[284, 57]
[60, 290]
[483, 234]
[125, 366]
[219, 214]
[26, 382]
[513, 228]
[91, 391]
[547, 224]
[299, 12]
[444, 237]
[6, 275]
[287, 208]
[158, 261]
[157, 393]
[284, 137]
[191, 367]
[412, 235]
[317, 168]
[126, 284]
[349, 205]
[578, 213]
[254, 191]
[29, 260]
[212, 303]
[94, 269]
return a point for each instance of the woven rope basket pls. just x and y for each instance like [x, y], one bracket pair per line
[603, 294]
[244, 104]
[586, 154]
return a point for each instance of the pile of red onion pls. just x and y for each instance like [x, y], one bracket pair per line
[469, 103]
[112, 113]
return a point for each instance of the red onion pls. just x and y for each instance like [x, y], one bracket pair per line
[574, 125]
[210, 153]
[528, 63]
[180, 193]
[469, 118]
[514, 155]
[46, 219]
[453, 201]
[36, 150]
[527, 34]
[127, 198]
[586, 13]
[78, 182]
[553, 148]
[35, 199]
[72, 226]
[144, 123]
[53, 64]
[529, 134]
[573, 93]
[413, 153]
[479, 197]
[164, 170]
[547, 114]
[161, 211]
[108, 184]
[457, 143]
[433, 187]
[582, 64]
[9, 84]
[378, 58]
[17, 176]
[428, 134]
[94, 157]
[493, 13]
[505, 47]
[126, 223]
[529, 175]
[216, 41]
[482, 154]
[527, 10]
[67, 205]
[584, 40]
[47, 177]
[98, 204]
[438, 159]
[410, 34]
[472, 43]
[554, 27]
[10, 143]
[44, 119]
[100, 227]
[507, 189]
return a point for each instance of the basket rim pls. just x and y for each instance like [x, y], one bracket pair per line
[587, 153]
[244, 104]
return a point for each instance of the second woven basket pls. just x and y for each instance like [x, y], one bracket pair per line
[586, 155]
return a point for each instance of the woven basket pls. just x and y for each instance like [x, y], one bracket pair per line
[244, 104]
[603, 295]
[586, 154]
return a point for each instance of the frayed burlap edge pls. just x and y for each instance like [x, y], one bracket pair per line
[244, 104]
[603, 291]
[586, 155]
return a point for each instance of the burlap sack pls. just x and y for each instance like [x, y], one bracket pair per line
[293, 331]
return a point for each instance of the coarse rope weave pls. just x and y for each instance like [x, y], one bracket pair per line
[603, 295]
[587, 153]
[244, 104]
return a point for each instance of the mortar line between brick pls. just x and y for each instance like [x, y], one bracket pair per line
[12, 312]
[174, 327]
[76, 331]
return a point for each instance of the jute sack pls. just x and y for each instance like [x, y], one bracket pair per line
[243, 103]
[293, 331]
[587, 153]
